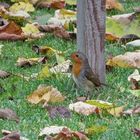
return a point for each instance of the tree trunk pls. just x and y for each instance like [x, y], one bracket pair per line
[91, 33]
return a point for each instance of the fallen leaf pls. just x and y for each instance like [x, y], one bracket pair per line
[113, 4]
[45, 94]
[65, 18]
[18, 17]
[71, 2]
[61, 33]
[23, 62]
[51, 130]
[12, 37]
[59, 111]
[57, 4]
[135, 43]
[30, 29]
[11, 31]
[44, 73]
[133, 111]
[136, 131]
[4, 74]
[61, 68]
[134, 78]
[48, 28]
[124, 19]
[100, 104]
[8, 135]
[65, 14]
[11, 28]
[27, 7]
[66, 134]
[128, 60]
[44, 50]
[8, 114]
[84, 108]
[135, 75]
[117, 111]
[127, 38]
[12, 136]
[111, 37]
[95, 130]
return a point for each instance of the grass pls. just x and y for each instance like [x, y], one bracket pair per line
[33, 117]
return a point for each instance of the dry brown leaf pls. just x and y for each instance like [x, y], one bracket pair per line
[48, 28]
[4, 74]
[128, 60]
[13, 37]
[59, 111]
[124, 19]
[132, 111]
[58, 31]
[22, 62]
[11, 28]
[66, 134]
[127, 38]
[134, 78]
[111, 37]
[45, 94]
[11, 31]
[113, 4]
[57, 4]
[61, 133]
[61, 33]
[8, 114]
[12, 136]
[34, 36]
[84, 108]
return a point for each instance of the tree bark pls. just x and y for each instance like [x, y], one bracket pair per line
[91, 33]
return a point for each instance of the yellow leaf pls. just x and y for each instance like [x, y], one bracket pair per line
[30, 29]
[111, 37]
[44, 73]
[63, 13]
[59, 57]
[95, 130]
[128, 60]
[116, 111]
[22, 6]
[101, 104]
[71, 2]
[45, 94]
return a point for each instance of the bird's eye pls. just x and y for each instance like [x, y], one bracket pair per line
[77, 55]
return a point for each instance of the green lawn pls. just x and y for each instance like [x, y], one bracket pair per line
[33, 117]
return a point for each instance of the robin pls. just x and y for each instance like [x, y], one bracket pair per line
[82, 73]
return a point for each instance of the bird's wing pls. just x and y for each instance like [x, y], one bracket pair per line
[91, 76]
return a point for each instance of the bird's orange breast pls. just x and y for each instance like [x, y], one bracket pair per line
[76, 69]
